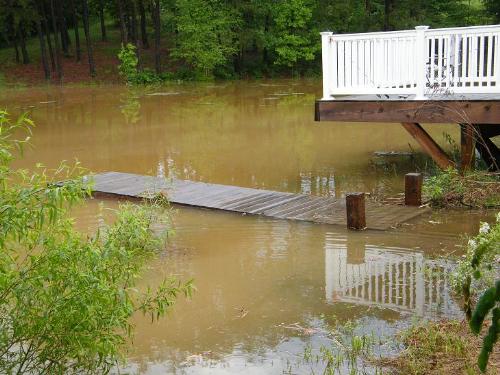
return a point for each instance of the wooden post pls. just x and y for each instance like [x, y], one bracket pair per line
[413, 189]
[355, 207]
[466, 146]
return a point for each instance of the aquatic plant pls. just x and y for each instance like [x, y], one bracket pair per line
[66, 298]
[349, 351]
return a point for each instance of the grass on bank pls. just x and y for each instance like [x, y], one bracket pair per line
[474, 189]
[443, 347]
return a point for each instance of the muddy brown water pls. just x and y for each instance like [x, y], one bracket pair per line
[266, 289]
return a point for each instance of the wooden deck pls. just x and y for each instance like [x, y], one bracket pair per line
[478, 116]
[280, 205]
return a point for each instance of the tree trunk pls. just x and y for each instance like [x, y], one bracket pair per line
[16, 49]
[43, 50]
[45, 26]
[56, 42]
[157, 26]
[144, 33]
[63, 29]
[123, 27]
[133, 24]
[78, 49]
[387, 13]
[90, 53]
[368, 15]
[22, 40]
[12, 35]
[103, 25]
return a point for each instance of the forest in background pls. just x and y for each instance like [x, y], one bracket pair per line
[200, 39]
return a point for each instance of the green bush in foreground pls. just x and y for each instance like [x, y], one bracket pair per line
[478, 273]
[489, 302]
[66, 298]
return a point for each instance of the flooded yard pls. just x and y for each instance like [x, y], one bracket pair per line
[268, 291]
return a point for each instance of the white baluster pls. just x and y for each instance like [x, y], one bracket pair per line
[341, 64]
[489, 59]
[481, 51]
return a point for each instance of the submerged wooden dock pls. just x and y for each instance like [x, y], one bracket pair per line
[274, 204]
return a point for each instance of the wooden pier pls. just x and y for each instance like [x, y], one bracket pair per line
[280, 205]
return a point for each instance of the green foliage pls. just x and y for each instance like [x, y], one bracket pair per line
[128, 63]
[492, 8]
[486, 303]
[435, 347]
[128, 69]
[206, 36]
[296, 39]
[347, 353]
[489, 301]
[227, 39]
[476, 273]
[474, 189]
[66, 298]
[437, 187]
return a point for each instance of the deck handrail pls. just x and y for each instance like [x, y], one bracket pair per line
[415, 63]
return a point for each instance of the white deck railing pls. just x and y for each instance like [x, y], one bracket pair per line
[416, 62]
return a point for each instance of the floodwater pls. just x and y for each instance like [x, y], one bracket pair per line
[267, 290]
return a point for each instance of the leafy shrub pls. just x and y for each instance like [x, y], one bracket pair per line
[478, 270]
[66, 298]
[128, 69]
[476, 274]
[128, 63]
[474, 189]
[489, 302]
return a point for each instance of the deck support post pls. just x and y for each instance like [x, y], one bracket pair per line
[428, 144]
[421, 61]
[467, 145]
[413, 189]
[355, 208]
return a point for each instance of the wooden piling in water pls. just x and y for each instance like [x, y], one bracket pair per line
[355, 208]
[413, 189]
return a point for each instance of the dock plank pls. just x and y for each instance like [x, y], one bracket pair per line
[274, 204]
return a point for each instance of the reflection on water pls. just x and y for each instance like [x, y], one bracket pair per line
[293, 280]
[267, 289]
[403, 281]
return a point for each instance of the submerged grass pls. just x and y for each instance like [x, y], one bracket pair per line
[443, 347]
[474, 189]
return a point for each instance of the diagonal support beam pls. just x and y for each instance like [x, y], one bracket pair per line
[428, 144]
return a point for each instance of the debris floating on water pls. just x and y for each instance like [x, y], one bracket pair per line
[288, 93]
[392, 153]
[163, 93]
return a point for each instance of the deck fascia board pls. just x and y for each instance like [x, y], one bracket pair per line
[472, 111]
